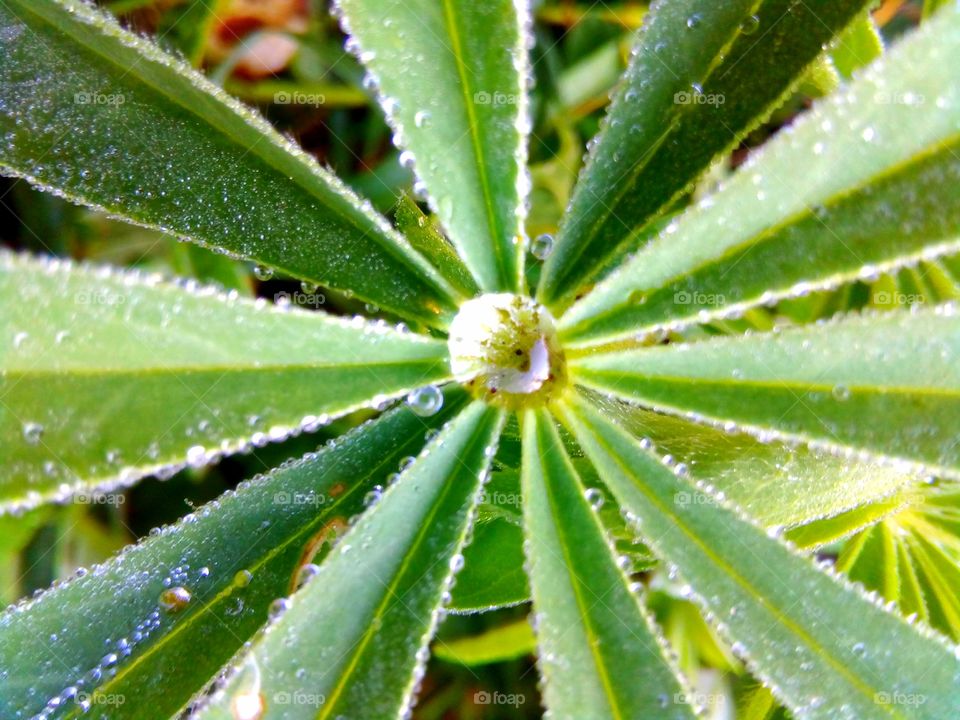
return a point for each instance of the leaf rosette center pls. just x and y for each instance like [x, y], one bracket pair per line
[504, 349]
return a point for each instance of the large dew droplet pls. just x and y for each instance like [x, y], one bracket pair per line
[425, 401]
[175, 599]
[542, 246]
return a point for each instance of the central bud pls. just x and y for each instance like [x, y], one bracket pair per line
[504, 348]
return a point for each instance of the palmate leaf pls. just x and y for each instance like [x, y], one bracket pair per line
[871, 197]
[703, 75]
[600, 654]
[453, 78]
[107, 375]
[824, 647]
[356, 637]
[235, 556]
[815, 384]
[92, 112]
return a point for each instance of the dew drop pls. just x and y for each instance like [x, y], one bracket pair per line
[242, 578]
[32, 432]
[841, 392]
[422, 119]
[595, 497]
[542, 246]
[750, 25]
[175, 599]
[262, 272]
[305, 574]
[425, 401]
[277, 608]
[693, 21]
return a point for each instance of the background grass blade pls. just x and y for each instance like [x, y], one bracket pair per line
[822, 646]
[106, 119]
[366, 618]
[234, 556]
[814, 384]
[106, 376]
[455, 92]
[703, 75]
[772, 232]
[601, 656]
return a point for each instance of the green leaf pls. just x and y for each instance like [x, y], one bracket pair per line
[505, 642]
[703, 75]
[911, 557]
[777, 484]
[234, 556]
[106, 119]
[814, 385]
[858, 46]
[821, 645]
[601, 655]
[429, 242]
[106, 376]
[452, 77]
[773, 231]
[365, 619]
[493, 574]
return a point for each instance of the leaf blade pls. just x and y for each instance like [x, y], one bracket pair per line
[813, 385]
[815, 664]
[600, 653]
[201, 371]
[195, 163]
[461, 111]
[304, 505]
[708, 73]
[832, 223]
[370, 655]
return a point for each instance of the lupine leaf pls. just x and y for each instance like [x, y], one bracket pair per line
[703, 75]
[600, 654]
[234, 556]
[773, 232]
[91, 111]
[821, 644]
[110, 375]
[366, 618]
[498, 644]
[814, 384]
[775, 483]
[453, 79]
